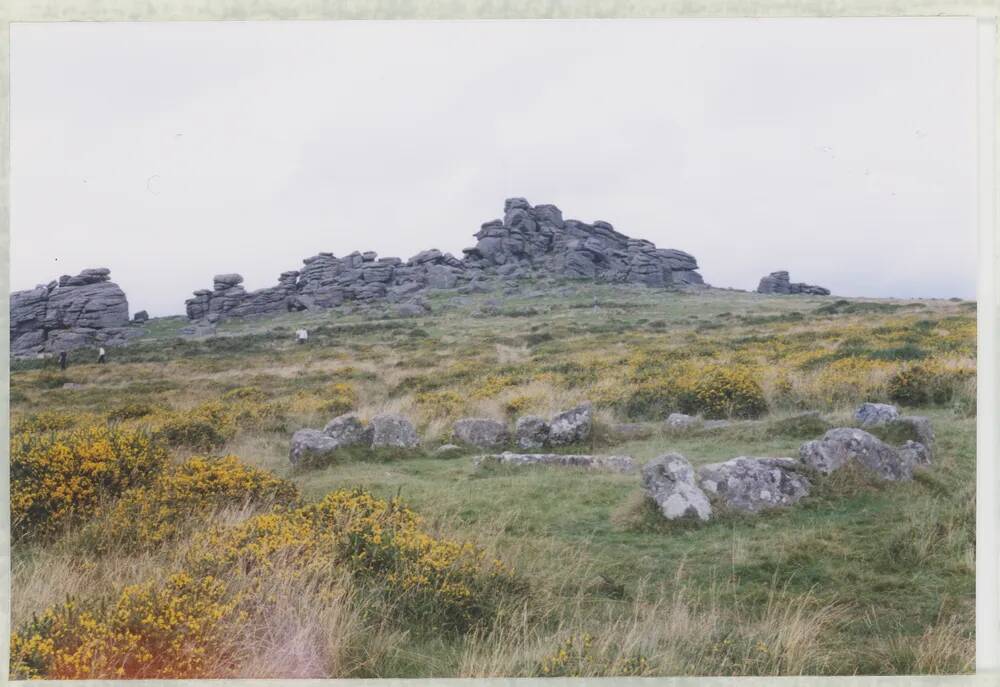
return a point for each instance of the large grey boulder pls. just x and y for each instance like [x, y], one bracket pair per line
[481, 432]
[604, 463]
[873, 414]
[572, 426]
[532, 432]
[670, 481]
[843, 445]
[755, 484]
[393, 431]
[312, 447]
[348, 430]
[779, 283]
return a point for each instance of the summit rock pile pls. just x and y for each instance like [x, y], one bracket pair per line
[71, 312]
[529, 241]
[779, 283]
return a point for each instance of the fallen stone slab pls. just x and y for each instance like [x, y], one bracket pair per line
[873, 414]
[669, 480]
[605, 463]
[843, 445]
[755, 484]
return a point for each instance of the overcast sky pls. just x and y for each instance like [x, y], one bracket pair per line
[841, 150]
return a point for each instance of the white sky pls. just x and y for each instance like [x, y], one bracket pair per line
[841, 150]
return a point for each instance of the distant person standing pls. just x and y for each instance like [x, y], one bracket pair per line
[63, 360]
[101, 355]
[301, 335]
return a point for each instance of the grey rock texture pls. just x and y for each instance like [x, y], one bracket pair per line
[532, 432]
[873, 414]
[71, 312]
[529, 241]
[681, 421]
[393, 431]
[913, 427]
[348, 430]
[572, 426]
[604, 463]
[779, 283]
[141, 316]
[481, 432]
[310, 446]
[755, 484]
[669, 480]
[842, 445]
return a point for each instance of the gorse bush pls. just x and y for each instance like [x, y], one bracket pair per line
[44, 422]
[446, 585]
[130, 411]
[723, 391]
[151, 631]
[927, 384]
[210, 425]
[148, 516]
[343, 398]
[59, 477]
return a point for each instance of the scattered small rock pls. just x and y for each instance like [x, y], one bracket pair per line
[607, 463]
[669, 480]
[681, 421]
[873, 414]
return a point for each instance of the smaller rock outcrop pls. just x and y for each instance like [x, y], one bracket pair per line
[481, 432]
[572, 426]
[141, 316]
[348, 430]
[605, 463]
[532, 432]
[669, 480]
[844, 445]
[393, 431]
[681, 421]
[779, 283]
[312, 447]
[755, 484]
[873, 414]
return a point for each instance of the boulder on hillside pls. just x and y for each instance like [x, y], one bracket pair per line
[872, 414]
[843, 445]
[669, 480]
[572, 426]
[348, 430]
[755, 484]
[393, 431]
[481, 432]
[311, 447]
[779, 283]
[532, 432]
[141, 316]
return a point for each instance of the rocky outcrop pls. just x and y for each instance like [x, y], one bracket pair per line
[844, 445]
[755, 484]
[529, 241]
[669, 481]
[71, 312]
[393, 431]
[605, 463]
[779, 283]
[572, 426]
[481, 432]
[532, 432]
[874, 414]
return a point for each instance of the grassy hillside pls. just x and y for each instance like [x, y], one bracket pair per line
[492, 571]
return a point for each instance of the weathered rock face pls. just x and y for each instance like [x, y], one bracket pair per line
[84, 310]
[528, 241]
[532, 432]
[481, 432]
[572, 426]
[310, 446]
[348, 430]
[872, 414]
[605, 463]
[670, 481]
[779, 283]
[755, 484]
[681, 421]
[842, 445]
[393, 431]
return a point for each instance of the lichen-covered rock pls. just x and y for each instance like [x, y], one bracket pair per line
[481, 432]
[532, 432]
[348, 430]
[873, 414]
[572, 426]
[605, 463]
[311, 447]
[393, 431]
[843, 445]
[681, 421]
[755, 484]
[670, 481]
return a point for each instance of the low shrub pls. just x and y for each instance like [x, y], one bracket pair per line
[927, 384]
[59, 477]
[129, 411]
[44, 422]
[723, 391]
[148, 516]
[202, 428]
[342, 399]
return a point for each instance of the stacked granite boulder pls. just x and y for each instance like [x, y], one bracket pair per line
[71, 312]
[530, 241]
[779, 283]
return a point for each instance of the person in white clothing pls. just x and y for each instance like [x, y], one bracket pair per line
[301, 335]
[101, 354]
